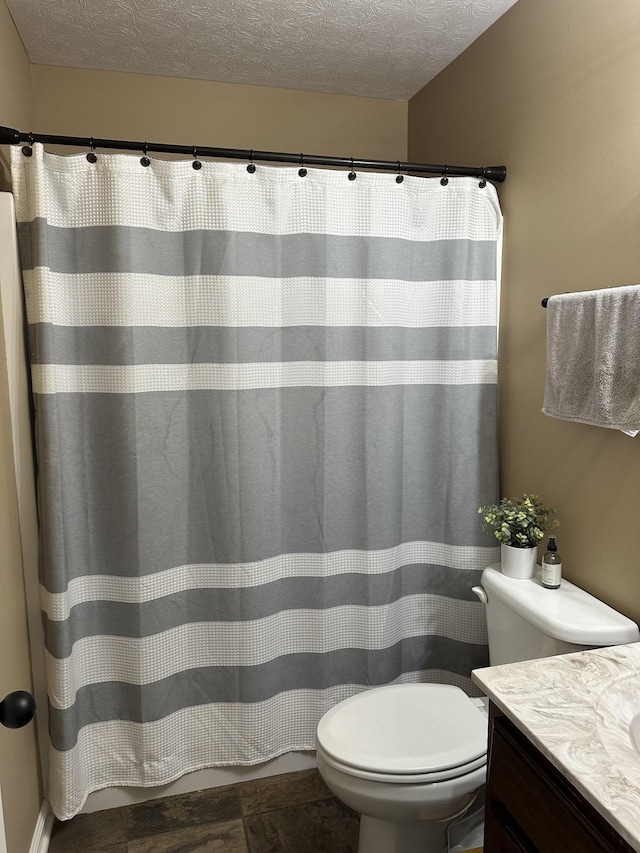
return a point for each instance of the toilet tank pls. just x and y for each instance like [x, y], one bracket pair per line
[526, 621]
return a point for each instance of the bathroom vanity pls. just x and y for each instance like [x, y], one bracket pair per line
[564, 753]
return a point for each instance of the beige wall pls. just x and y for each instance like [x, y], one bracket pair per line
[19, 767]
[16, 101]
[109, 104]
[553, 91]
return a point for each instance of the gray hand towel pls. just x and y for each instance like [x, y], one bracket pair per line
[593, 358]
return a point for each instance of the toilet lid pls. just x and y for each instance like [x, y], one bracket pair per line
[405, 728]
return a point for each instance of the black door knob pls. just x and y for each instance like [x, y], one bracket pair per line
[17, 709]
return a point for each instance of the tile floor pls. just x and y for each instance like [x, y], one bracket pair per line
[291, 813]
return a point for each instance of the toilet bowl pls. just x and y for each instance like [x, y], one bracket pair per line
[412, 757]
[409, 757]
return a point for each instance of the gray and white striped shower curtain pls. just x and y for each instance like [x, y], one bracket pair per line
[265, 418]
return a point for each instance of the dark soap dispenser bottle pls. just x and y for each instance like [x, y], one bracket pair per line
[551, 566]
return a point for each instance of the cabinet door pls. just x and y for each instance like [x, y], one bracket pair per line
[502, 835]
[532, 808]
[512, 843]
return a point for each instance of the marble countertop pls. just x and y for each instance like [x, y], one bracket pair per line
[576, 709]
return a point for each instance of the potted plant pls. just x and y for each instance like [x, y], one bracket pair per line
[518, 525]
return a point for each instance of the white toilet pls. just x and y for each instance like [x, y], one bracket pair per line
[412, 757]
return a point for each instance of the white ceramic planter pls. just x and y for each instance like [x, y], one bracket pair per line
[518, 562]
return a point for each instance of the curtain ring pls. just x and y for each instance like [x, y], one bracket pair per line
[196, 163]
[483, 182]
[91, 156]
[399, 177]
[251, 168]
[302, 171]
[444, 180]
[144, 160]
[352, 175]
[27, 149]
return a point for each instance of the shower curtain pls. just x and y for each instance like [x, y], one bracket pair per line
[265, 412]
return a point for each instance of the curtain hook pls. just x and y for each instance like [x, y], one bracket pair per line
[196, 163]
[144, 160]
[251, 168]
[91, 156]
[352, 175]
[399, 177]
[483, 182]
[27, 149]
[302, 171]
[444, 180]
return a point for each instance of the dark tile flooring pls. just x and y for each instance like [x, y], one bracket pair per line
[290, 813]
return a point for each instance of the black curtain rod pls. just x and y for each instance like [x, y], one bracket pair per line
[10, 136]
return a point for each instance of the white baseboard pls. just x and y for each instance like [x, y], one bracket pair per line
[42, 832]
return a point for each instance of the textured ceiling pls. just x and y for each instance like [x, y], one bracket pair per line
[377, 48]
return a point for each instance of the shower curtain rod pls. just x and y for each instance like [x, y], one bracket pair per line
[10, 136]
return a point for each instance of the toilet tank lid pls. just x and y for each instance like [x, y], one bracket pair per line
[569, 613]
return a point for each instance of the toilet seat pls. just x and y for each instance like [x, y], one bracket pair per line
[404, 778]
[405, 733]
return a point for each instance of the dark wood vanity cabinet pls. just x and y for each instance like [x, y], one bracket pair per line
[531, 807]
